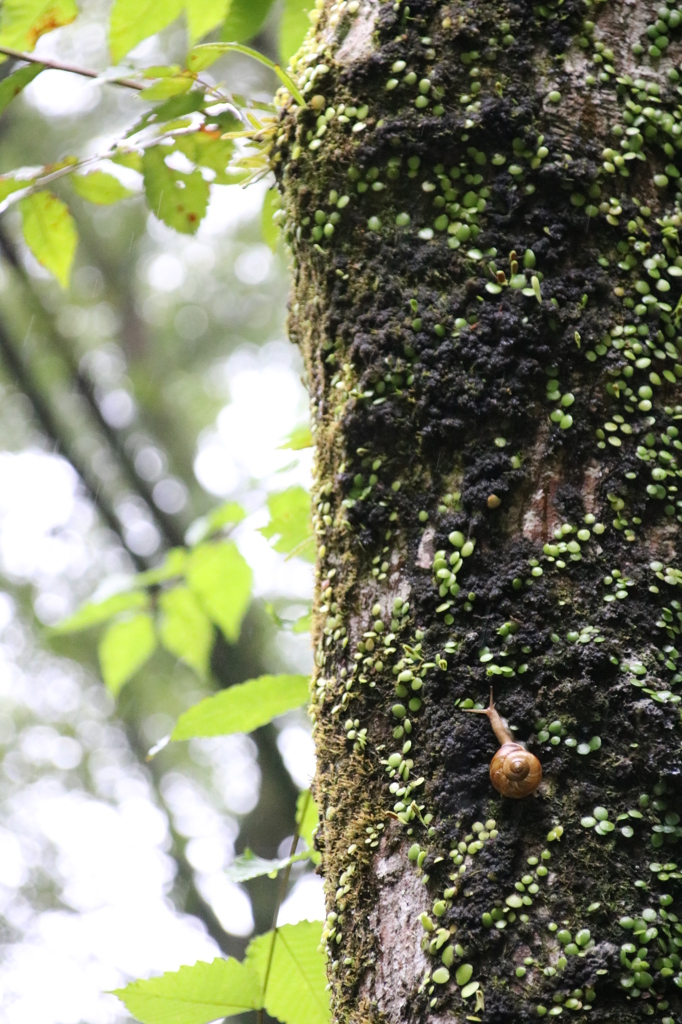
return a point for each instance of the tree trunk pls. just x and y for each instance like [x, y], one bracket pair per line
[481, 203]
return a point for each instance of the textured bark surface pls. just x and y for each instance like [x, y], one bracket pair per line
[482, 204]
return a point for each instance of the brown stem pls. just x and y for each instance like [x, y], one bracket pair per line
[60, 65]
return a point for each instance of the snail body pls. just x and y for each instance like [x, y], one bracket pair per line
[514, 771]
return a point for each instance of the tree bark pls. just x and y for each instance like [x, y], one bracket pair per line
[482, 204]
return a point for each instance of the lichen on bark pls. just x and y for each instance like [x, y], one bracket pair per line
[482, 205]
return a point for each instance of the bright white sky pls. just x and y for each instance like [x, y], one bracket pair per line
[107, 853]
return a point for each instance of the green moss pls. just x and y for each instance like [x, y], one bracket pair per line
[450, 296]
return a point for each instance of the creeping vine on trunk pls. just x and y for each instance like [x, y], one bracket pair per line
[482, 201]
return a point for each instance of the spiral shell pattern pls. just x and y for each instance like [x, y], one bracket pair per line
[514, 771]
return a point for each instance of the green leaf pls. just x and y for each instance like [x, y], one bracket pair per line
[230, 512]
[23, 22]
[249, 865]
[178, 199]
[161, 71]
[224, 515]
[271, 203]
[185, 630]
[18, 80]
[293, 27]
[299, 438]
[99, 187]
[244, 20]
[203, 16]
[464, 973]
[221, 579]
[469, 989]
[9, 185]
[174, 565]
[203, 56]
[124, 648]
[132, 21]
[170, 110]
[129, 158]
[92, 614]
[307, 818]
[193, 995]
[167, 87]
[50, 233]
[303, 625]
[296, 983]
[290, 523]
[243, 707]
[208, 149]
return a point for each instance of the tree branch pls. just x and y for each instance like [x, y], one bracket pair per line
[48, 424]
[169, 528]
[75, 69]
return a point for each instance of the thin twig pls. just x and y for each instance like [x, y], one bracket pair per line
[60, 65]
[38, 182]
[280, 898]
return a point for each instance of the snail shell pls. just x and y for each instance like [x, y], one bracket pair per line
[514, 771]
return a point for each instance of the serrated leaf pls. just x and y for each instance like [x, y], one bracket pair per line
[299, 438]
[50, 233]
[221, 579]
[99, 187]
[307, 817]
[203, 16]
[296, 983]
[124, 648]
[131, 21]
[92, 614]
[193, 995]
[23, 22]
[18, 80]
[129, 158]
[176, 198]
[244, 20]
[244, 707]
[208, 149]
[249, 865]
[185, 630]
[290, 523]
[293, 27]
[270, 230]
[169, 110]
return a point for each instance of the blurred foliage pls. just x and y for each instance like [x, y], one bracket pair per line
[121, 366]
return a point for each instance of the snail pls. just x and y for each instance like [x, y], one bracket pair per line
[514, 771]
